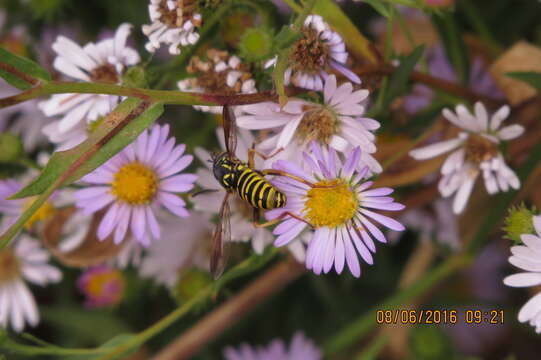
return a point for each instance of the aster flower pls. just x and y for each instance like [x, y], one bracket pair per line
[102, 286]
[219, 73]
[436, 222]
[301, 348]
[24, 119]
[135, 183]
[319, 51]
[174, 23]
[12, 209]
[528, 257]
[242, 228]
[480, 80]
[104, 61]
[24, 260]
[167, 259]
[475, 151]
[339, 123]
[340, 215]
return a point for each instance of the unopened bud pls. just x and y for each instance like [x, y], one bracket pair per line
[518, 222]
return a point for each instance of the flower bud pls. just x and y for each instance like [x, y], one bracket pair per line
[518, 222]
[256, 44]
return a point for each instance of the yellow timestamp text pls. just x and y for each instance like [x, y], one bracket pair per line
[439, 316]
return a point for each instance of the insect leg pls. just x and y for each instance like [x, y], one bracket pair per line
[280, 218]
[294, 177]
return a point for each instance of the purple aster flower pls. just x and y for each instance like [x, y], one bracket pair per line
[480, 80]
[135, 183]
[102, 286]
[301, 348]
[343, 225]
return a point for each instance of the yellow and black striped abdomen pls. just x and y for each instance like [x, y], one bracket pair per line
[256, 190]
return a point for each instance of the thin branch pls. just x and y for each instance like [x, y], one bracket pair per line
[434, 82]
[166, 96]
[212, 325]
[21, 75]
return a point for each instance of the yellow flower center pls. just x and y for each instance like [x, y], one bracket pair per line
[46, 211]
[330, 206]
[9, 265]
[135, 184]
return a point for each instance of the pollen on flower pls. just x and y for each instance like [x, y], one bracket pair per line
[174, 13]
[318, 123]
[310, 53]
[44, 212]
[105, 73]
[330, 206]
[135, 184]
[480, 149]
[9, 265]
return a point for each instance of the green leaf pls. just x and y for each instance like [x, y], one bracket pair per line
[60, 162]
[531, 78]
[453, 41]
[383, 8]
[399, 79]
[20, 71]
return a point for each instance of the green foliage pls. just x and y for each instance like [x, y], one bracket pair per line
[381, 7]
[529, 77]
[452, 38]
[13, 66]
[135, 76]
[399, 79]
[46, 9]
[60, 162]
[11, 147]
[429, 343]
[111, 344]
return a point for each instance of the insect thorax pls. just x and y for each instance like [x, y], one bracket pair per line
[225, 170]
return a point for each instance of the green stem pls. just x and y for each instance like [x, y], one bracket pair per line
[248, 265]
[171, 97]
[366, 322]
[374, 349]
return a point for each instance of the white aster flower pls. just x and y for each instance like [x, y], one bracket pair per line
[242, 228]
[104, 61]
[24, 119]
[342, 226]
[220, 73]
[24, 261]
[528, 257]
[135, 183]
[174, 23]
[319, 51]
[339, 123]
[176, 252]
[476, 150]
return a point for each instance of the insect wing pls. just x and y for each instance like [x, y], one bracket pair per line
[230, 131]
[221, 240]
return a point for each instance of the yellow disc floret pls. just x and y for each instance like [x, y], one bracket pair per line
[43, 213]
[135, 184]
[330, 206]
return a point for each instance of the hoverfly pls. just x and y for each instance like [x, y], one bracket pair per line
[239, 177]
